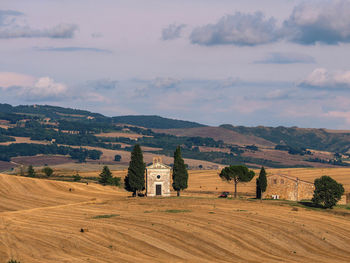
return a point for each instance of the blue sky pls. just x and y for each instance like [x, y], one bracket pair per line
[249, 62]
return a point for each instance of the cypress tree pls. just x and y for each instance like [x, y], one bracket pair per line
[135, 179]
[261, 183]
[180, 174]
[105, 176]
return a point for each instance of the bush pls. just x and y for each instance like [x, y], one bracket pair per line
[114, 181]
[76, 177]
[327, 192]
[47, 171]
[13, 261]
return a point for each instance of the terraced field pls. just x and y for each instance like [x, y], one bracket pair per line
[41, 221]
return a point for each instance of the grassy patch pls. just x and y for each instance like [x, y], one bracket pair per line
[176, 211]
[104, 216]
[211, 212]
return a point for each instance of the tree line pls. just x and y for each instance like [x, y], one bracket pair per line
[29, 149]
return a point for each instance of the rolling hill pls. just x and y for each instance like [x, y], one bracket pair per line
[42, 221]
[278, 147]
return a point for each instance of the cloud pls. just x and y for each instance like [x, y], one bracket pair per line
[324, 79]
[286, 58]
[94, 97]
[7, 16]
[325, 22]
[32, 88]
[45, 88]
[173, 31]
[310, 22]
[339, 114]
[10, 28]
[11, 79]
[238, 29]
[277, 94]
[103, 84]
[96, 35]
[164, 83]
[72, 49]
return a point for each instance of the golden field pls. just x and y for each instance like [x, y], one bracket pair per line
[41, 222]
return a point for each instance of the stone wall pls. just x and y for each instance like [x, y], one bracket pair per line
[288, 188]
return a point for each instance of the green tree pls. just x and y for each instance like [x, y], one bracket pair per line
[236, 173]
[76, 177]
[327, 192]
[47, 171]
[180, 174]
[135, 179]
[117, 158]
[261, 183]
[105, 176]
[30, 171]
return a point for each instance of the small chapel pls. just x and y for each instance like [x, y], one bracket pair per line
[158, 178]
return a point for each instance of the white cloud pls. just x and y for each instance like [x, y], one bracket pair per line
[45, 88]
[32, 88]
[322, 78]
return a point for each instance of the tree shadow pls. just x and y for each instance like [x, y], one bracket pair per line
[310, 204]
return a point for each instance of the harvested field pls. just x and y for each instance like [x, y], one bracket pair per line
[121, 134]
[40, 160]
[42, 221]
[283, 157]
[24, 140]
[218, 133]
[6, 165]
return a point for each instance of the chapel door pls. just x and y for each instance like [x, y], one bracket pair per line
[158, 189]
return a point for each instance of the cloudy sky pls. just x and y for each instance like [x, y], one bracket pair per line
[244, 62]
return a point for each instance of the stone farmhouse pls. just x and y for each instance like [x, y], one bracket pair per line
[158, 180]
[288, 188]
[293, 189]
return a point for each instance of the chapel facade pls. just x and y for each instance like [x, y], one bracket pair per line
[158, 180]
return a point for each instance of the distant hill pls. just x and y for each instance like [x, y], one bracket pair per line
[54, 112]
[155, 122]
[319, 139]
[226, 144]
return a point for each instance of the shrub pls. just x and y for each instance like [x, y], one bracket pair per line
[76, 177]
[47, 171]
[114, 181]
[327, 192]
[13, 261]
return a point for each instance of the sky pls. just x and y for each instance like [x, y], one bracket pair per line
[242, 62]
